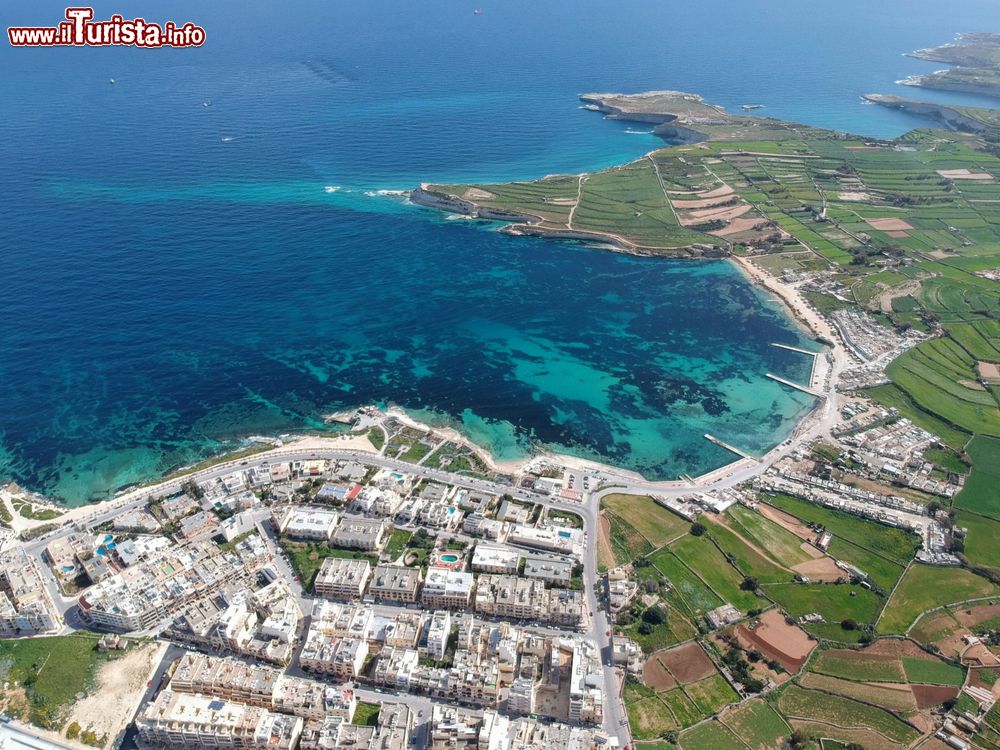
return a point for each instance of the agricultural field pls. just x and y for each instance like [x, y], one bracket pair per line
[925, 587]
[758, 725]
[834, 602]
[701, 555]
[712, 735]
[749, 559]
[896, 698]
[884, 573]
[893, 544]
[980, 541]
[810, 705]
[626, 543]
[697, 597]
[981, 493]
[779, 543]
[654, 522]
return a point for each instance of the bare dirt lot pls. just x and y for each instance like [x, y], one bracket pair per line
[889, 224]
[776, 639]
[820, 569]
[972, 616]
[656, 676]
[688, 663]
[120, 684]
[932, 695]
[989, 372]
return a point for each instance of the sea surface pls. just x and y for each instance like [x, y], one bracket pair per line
[210, 248]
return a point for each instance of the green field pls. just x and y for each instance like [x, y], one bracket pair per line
[981, 493]
[981, 547]
[924, 587]
[627, 544]
[849, 665]
[894, 544]
[657, 524]
[781, 544]
[800, 703]
[366, 714]
[758, 725]
[747, 559]
[933, 672]
[833, 601]
[52, 671]
[711, 735]
[703, 557]
[697, 597]
[711, 694]
[397, 542]
[882, 572]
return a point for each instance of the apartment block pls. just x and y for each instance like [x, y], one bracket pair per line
[343, 578]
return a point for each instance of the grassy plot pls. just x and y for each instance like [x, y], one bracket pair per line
[702, 556]
[711, 694]
[397, 543]
[811, 705]
[657, 524]
[746, 558]
[925, 587]
[834, 602]
[698, 598]
[932, 374]
[882, 572]
[851, 664]
[981, 493]
[712, 735]
[781, 544]
[933, 672]
[627, 543]
[51, 671]
[892, 543]
[885, 696]
[758, 725]
[981, 546]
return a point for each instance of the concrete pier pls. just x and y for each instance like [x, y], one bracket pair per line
[794, 349]
[796, 386]
[728, 447]
[797, 350]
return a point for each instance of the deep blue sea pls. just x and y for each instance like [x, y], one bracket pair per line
[204, 249]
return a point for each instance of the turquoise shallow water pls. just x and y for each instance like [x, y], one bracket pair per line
[200, 252]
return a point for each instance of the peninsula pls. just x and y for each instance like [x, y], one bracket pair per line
[975, 59]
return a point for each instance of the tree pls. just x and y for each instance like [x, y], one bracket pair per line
[848, 624]
[698, 529]
[749, 583]
[654, 616]
[798, 740]
[645, 628]
[652, 586]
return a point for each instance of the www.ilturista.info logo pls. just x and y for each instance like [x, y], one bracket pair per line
[79, 30]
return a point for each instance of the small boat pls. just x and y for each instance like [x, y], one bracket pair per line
[112, 81]
[477, 12]
[748, 107]
[207, 103]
